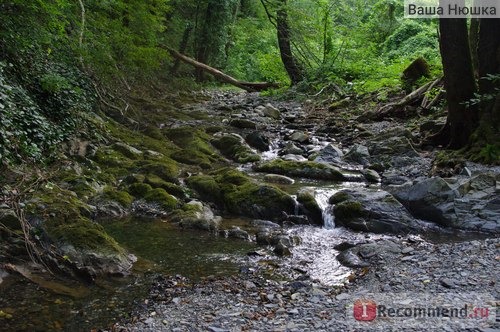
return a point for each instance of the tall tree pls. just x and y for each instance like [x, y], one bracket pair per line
[489, 87]
[459, 83]
[282, 25]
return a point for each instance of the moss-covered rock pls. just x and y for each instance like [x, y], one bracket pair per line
[164, 168]
[196, 215]
[234, 147]
[349, 210]
[195, 149]
[88, 247]
[306, 169]
[339, 197]
[309, 207]
[372, 210]
[133, 178]
[127, 150]
[83, 234]
[119, 196]
[161, 197]
[207, 188]
[239, 194]
[171, 188]
[139, 190]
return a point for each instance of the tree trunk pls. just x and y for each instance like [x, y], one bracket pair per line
[182, 49]
[473, 42]
[489, 64]
[458, 82]
[248, 86]
[291, 66]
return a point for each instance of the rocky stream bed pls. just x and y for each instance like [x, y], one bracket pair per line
[313, 210]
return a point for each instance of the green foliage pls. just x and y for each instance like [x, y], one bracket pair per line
[32, 127]
[490, 154]
[412, 39]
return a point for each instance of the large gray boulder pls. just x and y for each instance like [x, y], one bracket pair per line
[371, 210]
[464, 203]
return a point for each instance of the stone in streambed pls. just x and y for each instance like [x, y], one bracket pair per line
[234, 147]
[306, 169]
[196, 215]
[310, 207]
[258, 140]
[236, 193]
[279, 179]
[372, 211]
[242, 124]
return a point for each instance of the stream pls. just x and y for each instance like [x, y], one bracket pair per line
[164, 249]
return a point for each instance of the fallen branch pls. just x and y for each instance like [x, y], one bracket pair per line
[248, 86]
[408, 99]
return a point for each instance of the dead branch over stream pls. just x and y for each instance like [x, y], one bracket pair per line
[248, 86]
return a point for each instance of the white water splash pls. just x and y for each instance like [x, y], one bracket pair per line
[322, 195]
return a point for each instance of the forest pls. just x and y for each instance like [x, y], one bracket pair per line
[234, 165]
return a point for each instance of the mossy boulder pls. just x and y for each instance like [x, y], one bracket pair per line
[195, 149]
[196, 215]
[127, 150]
[88, 247]
[372, 210]
[305, 169]
[309, 207]
[207, 188]
[161, 197]
[133, 178]
[164, 168]
[139, 190]
[237, 193]
[119, 196]
[156, 182]
[234, 147]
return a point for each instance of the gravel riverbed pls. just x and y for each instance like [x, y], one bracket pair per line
[411, 267]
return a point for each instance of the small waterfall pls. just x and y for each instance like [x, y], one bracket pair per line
[296, 207]
[322, 196]
[273, 151]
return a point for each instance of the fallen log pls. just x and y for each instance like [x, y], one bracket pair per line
[248, 86]
[408, 99]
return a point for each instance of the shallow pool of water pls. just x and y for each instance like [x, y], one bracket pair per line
[161, 248]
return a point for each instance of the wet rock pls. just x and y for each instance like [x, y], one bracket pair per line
[196, 215]
[280, 179]
[291, 148]
[362, 255]
[350, 259]
[281, 249]
[371, 210]
[238, 233]
[358, 154]
[423, 199]
[294, 157]
[306, 169]
[264, 223]
[470, 203]
[242, 124]
[234, 147]
[310, 207]
[298, 219]
[271, 111]
[258, 140]
[240, 195]
[371, 175]
[299, 136]
[329, 154]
